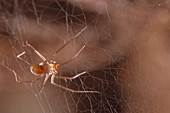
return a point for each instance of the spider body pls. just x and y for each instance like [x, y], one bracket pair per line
[44, 67]
[49, 69]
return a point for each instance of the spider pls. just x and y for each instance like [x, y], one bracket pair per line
[50, 69]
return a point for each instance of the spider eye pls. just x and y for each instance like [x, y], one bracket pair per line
[37, 69]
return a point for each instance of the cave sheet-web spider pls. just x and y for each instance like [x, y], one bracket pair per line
[50, 69]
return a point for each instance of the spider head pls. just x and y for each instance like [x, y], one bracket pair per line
[37, 69]
[54, 64]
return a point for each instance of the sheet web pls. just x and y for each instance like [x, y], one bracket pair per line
[100, 26]
[54, 99]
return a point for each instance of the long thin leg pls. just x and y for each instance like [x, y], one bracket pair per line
[17, 78]
[47, 76]
[68, 89]
[19, 57]
[66, 43]
[38, 53]
[74, 57]
[71, 78]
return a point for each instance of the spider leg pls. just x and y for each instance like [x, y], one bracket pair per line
[17, 78]
[71, 78]
[66, 43]
[74, 57]
[19, 57]
[45, 81]
[68, 89]
[38, 53]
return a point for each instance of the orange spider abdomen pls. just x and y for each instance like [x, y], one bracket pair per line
[37, 69]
